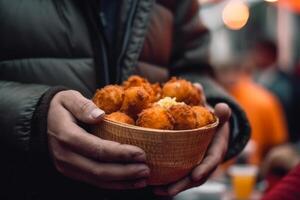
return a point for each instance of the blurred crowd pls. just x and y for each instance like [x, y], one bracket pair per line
[266, 87]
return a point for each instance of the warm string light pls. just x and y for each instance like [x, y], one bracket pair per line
[271, 0]
[235, 14]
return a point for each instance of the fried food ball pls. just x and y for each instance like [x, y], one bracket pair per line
[134, 81]
[120, 118]
[157, 91]
[135, 100]
[109, 98]
[204, 116]
[183, 90]
[184, 117]
[156, 117]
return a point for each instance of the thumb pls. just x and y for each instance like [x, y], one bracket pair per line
[223, 112]
[82, 108]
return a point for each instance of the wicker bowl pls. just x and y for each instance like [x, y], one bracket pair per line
[171, 154]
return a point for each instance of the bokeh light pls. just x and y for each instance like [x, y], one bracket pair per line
[235, 14]
[271, 0]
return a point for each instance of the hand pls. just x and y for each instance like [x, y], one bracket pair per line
[214, 156]
[85, 157]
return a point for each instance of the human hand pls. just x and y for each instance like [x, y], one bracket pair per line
[85, 157]
[214, 156]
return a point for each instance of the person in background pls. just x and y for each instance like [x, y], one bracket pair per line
[55, 54]
[262, 108]
[287, 188]
[280, 83]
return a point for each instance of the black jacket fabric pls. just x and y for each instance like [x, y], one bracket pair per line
[48, 46]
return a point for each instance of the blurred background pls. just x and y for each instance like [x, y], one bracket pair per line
[255, 50]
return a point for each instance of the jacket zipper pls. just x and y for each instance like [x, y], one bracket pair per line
[104, 45]
[125, 38]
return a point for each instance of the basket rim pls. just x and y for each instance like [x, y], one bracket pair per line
[129, 126]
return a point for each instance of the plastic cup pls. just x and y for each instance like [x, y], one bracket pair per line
[243, 179]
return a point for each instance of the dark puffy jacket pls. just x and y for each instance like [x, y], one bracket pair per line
[47, 44]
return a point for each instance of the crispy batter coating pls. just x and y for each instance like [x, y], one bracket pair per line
[156, 117]
[109, 98]
[134, 81]
[184, 117]
[120, 117]
[135, 100]
[157, 91]
[204, 116]
[183, 90]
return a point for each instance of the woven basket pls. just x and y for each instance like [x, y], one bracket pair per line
[171, 154]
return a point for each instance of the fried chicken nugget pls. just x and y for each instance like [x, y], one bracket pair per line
[109, 98]
[156, 117]
[204, 116]
[120, 118]
[183, 90]
[135, 100]
[184, 117]
[134, 81]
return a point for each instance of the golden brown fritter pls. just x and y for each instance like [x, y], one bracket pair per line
[157, 91]
[204, 116]
[135, 100]
[183, 90]
[134, 81]
[120, 118]
[109, 98]
[156, 117]
[184, 117]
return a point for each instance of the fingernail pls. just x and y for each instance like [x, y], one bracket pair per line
[96, 113]
[140, 184]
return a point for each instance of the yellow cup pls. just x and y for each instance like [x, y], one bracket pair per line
[243, 179]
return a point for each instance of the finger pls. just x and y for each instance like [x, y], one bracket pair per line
[82, 108]
[214, 154]
[94, 147]
[173, 189]
[125, 185]
[116, 185]
[103, 171]
[223, 112]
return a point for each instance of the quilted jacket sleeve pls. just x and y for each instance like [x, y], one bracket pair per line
[23, 141]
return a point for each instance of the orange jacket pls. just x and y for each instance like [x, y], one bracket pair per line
[264, 113]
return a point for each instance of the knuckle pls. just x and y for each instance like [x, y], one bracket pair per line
[59, 167]
[64, 94]
[60, 135]
[59, 156]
